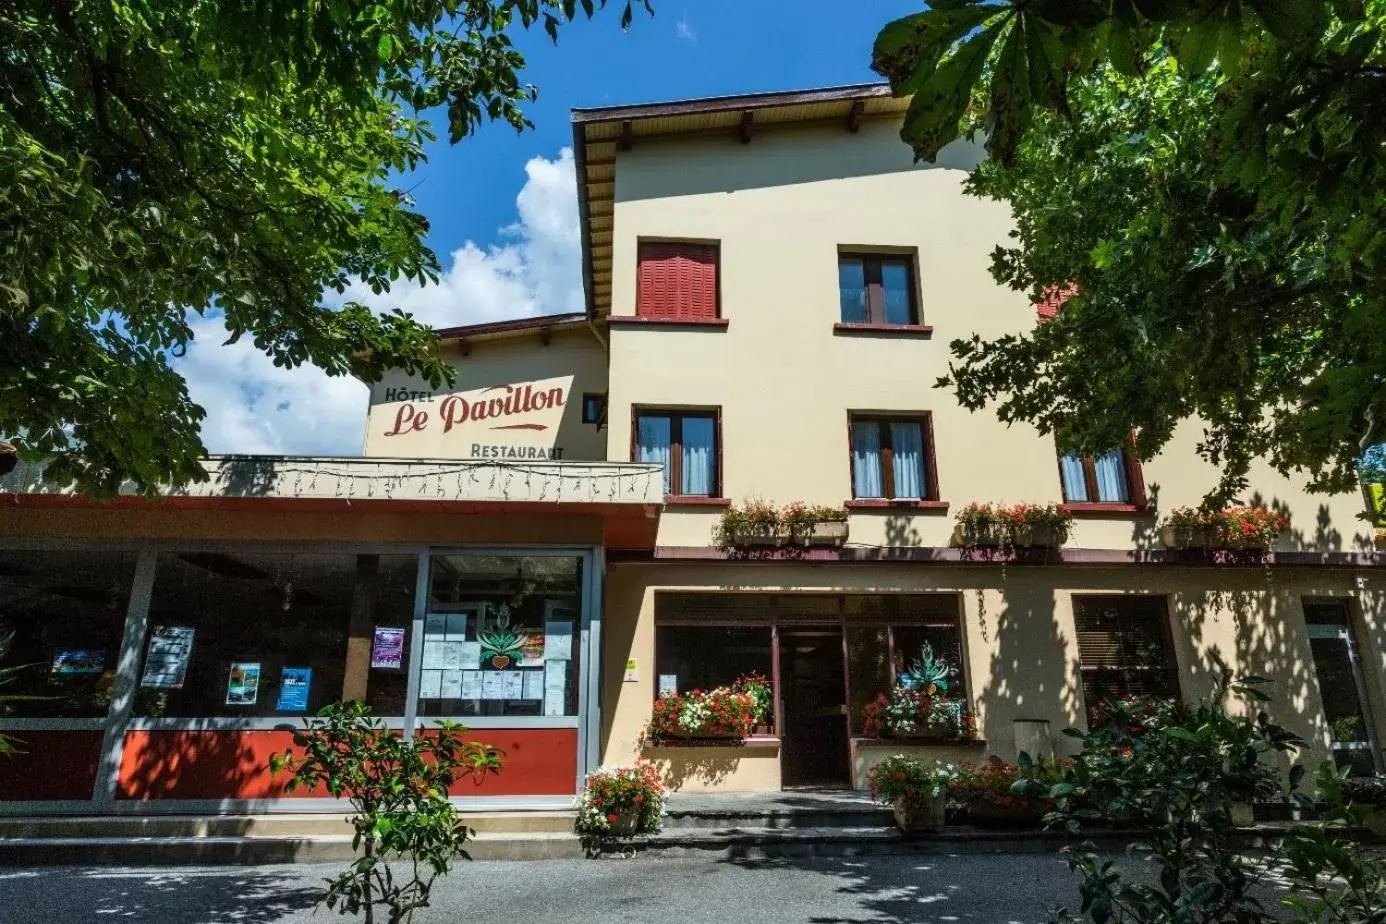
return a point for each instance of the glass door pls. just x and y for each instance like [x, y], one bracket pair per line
[1353, 738]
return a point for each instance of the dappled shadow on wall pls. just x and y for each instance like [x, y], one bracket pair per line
[1268, 640]
[1031, 677]
[197, 764]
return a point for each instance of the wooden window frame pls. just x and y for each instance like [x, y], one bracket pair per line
[642, 246]
[925, 419]
[1135, 484]
[676, 416]
[875, 289]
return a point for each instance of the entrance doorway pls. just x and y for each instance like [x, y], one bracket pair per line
[814, 747]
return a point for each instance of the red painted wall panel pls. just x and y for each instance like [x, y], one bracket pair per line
[233, 764]
[50, 765]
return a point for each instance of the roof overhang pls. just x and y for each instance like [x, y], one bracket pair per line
[627, 496]
[600, 134]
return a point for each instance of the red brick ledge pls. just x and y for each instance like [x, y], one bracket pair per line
[947, 555]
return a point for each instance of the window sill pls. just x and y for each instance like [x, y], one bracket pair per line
[1099, 509]
[872, 503]
[685, 500]
[755, 741]
[922, 741]
[917, 331]
[628, 320]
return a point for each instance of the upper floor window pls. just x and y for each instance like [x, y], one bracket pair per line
[877, 288]
[677, 281]
[1110, 477]
[594, 407]
[686, 444]
[892, 457]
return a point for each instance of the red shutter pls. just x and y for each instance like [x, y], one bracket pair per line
[677, 282]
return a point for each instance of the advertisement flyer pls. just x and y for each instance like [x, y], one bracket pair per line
[166, 659]
[555, 688]
[534, 685]
[387, 648]
[79, 661]
[558, 639]
[294, 684]
[243, 683]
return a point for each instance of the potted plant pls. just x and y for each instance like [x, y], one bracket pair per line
[756, 686]
[719, 714]
[916, 792]
[1190, 528]
[829, 525]
[1044, 526]
[1370, 793]
[621, 801]
[1246, 528]
[979, 526]
[987, 794]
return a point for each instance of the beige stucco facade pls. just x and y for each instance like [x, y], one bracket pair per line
[516, 398]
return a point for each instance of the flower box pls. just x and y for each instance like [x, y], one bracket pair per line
[1038, 537]
[831, 532]
[758, 540]
[1190, 537]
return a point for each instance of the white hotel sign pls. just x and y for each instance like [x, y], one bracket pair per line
[518, 420]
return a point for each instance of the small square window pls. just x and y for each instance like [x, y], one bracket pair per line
[594, 407]
[877, 289]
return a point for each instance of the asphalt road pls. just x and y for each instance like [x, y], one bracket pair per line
[968, 888]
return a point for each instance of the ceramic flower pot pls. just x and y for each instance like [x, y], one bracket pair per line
[915, 816]
[626, 824]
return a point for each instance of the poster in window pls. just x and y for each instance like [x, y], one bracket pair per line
[668, 683]
[433, 654]
[243, 683]
[534, 685]
[435, 625]
[451, 685]
[79, 661]
[166, 659]
[294, 684]
[558, 639]
[430, 685]
[457, 625]
[555, 688]
[532, 652]
[493, 684]
[471, 685]
[387, 648]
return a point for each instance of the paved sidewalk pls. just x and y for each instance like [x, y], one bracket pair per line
[987, 889]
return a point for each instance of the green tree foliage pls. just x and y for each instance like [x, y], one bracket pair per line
[407, 833]
[165, 156]
[1210, 175]
[1175, 771]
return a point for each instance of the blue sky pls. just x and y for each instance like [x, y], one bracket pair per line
[502, 206]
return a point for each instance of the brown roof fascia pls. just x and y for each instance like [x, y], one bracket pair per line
[728, 103]
[571, 319]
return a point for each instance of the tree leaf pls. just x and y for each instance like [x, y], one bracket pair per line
[1291, 21]
[932, 119]
[1009, 108]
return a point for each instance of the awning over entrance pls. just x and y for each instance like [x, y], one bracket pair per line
[627, 497]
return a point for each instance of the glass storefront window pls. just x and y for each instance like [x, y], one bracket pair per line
[703, 657]
[501, 636]
[238, 634]
[62, 614]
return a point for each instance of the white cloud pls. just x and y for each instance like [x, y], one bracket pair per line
[254, 407]
[684, 29]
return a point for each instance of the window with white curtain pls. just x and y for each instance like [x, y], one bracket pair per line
[1102, 478]
[685, 443]
[890, 458]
